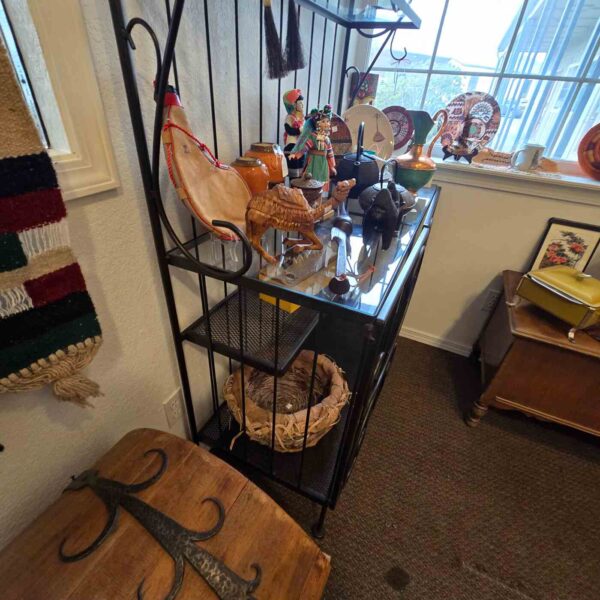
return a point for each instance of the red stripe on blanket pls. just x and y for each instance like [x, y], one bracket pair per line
[56, 285]
[31, 210]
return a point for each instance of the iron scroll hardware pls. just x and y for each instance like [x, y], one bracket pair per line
[177, 541]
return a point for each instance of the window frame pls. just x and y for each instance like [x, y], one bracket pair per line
[565, 166]
[89, 166]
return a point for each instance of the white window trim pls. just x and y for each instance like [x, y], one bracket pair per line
[90, 166]
[566, 188]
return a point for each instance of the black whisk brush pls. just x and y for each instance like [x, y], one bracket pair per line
[275, 62]
[294, 54]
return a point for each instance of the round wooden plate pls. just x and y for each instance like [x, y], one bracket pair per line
[588, 153]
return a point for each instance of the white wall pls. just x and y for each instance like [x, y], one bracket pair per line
[480, 230]
[47, 441]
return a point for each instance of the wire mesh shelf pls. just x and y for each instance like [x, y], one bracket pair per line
[271, 337]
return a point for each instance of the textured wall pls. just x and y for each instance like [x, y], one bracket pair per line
[47, 441]
[477, 233]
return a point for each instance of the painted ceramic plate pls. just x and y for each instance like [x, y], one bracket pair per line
[473, 120]
[402, 125]
[588, 153]
[341, 138]
[379, 136]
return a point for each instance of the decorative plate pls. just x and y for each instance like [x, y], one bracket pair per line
[401, 123]
[341, 138]
[379, 136]
[473, 120]
[588, 153]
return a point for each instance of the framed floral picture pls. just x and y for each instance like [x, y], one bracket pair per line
[567, 243]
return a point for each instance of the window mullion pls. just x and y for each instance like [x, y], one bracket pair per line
[556, 138]
[511, 45]
[434, 53]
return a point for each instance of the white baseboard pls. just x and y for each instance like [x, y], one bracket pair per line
[435, 341]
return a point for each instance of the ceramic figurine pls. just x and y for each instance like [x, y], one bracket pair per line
[315, 142]
[287, 209]
[293, 124]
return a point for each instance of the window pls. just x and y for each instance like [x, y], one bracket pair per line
[47, 44]
[540, 59]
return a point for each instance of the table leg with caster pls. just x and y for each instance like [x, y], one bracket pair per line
[478, 410]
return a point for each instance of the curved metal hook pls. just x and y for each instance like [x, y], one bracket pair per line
[197, 536]
[373, 35]
[254, 583]
[138, 487]
[112, 519]
[350, 68]
[177, 581]
[128, 29]
[397, 58]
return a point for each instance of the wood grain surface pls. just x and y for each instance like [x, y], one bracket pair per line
[256, 530]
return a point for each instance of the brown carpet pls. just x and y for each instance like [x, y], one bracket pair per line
[435, 510]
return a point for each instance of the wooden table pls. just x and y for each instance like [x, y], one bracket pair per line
[529, 364]
[256, 530]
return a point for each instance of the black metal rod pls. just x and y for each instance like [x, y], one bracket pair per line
[309, 406]
[310, 51]
[275, 377]
[133, 101]
[370, 67]
[211, 88]
[343, 71]
[241, 292]
[209, 344]
[322, 60]
[175, 75]
[296, 71]
[279, 80]
[237, 74]
[225, 294]
[260, 74]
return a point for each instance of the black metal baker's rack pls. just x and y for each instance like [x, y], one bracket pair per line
[359, 334]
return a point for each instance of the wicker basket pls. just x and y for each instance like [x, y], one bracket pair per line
[330, 395]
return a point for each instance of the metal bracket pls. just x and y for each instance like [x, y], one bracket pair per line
[177, 541]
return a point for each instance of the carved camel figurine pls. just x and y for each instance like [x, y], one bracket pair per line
[287, 209]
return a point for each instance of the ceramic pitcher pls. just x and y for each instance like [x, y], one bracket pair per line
[414, 169]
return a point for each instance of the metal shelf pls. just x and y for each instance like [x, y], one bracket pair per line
[271, 337]
[310, 473]
[357, 14]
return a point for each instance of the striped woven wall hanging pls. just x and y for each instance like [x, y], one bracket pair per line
[49, 329]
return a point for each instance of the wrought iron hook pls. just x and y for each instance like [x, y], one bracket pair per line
[127, 33]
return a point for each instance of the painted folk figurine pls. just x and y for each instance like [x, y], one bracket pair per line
[293, 100]
[314, 141]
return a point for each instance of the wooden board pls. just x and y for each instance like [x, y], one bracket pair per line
[256, 530]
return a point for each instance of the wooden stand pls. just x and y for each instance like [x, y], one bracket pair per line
[529, 364]
[255, 530]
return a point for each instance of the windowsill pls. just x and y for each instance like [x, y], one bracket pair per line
[568, 188]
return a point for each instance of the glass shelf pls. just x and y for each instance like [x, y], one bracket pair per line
[378, 268]
[366, 14]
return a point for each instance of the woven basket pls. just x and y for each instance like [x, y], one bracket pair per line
[292, 401]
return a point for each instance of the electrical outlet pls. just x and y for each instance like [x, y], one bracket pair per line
[490, 301]
[174, 409]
